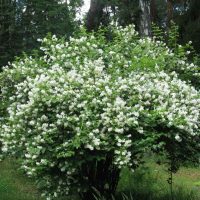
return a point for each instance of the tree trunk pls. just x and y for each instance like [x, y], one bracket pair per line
[154, 12]
[169, 12]
[145, 19]
[94, 15]
[102, 178]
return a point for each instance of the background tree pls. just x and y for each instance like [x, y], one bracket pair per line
[7, 27]
[188, 19]
[154, 11]
[142, 12]
[122, 12]
[95, 14]
[145, 18]
[22, 22]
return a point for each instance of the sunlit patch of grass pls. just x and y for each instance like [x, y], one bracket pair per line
[197, 184]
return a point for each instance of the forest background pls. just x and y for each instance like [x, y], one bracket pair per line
[22, 22]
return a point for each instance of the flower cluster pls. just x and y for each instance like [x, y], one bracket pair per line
[86, 97]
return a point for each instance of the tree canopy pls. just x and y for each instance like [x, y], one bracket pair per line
[22, 22]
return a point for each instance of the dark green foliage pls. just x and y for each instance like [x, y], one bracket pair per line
[126, 11]
[189, 22]
[22, 22]
[102, 12]
[41, 17]
[186, 51]
[7, 33]
[185, 13]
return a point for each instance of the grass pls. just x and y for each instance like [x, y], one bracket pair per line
[150, 183]
[14, 185]
[147, 183]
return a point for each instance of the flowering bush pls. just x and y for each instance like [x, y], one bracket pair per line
[88, 107]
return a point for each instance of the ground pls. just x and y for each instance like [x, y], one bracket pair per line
[146, 183]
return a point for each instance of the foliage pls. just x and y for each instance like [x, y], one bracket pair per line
[188, 19]
[7, 24]
[184, 12]
[181, 52]
[22, 22]
[88, 107]
[124, 12]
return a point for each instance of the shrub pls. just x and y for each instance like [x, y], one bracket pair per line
[88, 107]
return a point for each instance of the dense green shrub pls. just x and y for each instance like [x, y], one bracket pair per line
[89, 107]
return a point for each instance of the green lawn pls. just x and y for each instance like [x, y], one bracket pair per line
[147, 183]
[150, 183]
[14, 185]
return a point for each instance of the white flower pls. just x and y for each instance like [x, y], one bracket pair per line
[119, 130]
[90, 147]
[178, 138]
[119, 102]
